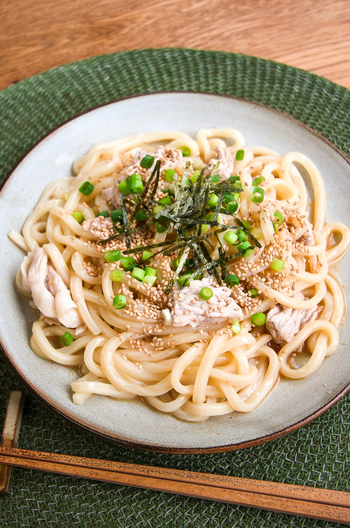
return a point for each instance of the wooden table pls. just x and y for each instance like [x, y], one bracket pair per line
[309, 34]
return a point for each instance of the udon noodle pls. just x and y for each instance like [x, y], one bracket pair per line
[244, 288]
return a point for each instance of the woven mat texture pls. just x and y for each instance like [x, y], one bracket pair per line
[315, 455]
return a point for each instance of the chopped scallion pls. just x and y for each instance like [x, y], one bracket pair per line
[166, 201]
[149, 278]
[117, 216]
[183, 278]
[257, 194]
[157, 209]
[241, 235]
[135, 184]
[277, 264]
[258, 319]
[279, 216]
[127, 263]
[141, 215]
[258, 180]
[161, 228]
[239, 155]
[138, 273]
[123, 187]
[119, 302]
[87, 188]
[213, 200]
[150, 271]
[112, 256]
[195, 176]
[228, 197]
[78, 216]
[102, 213]
[254, 292]
[66, 339]
[116, 275]
[232, 207]
[236, 327]
[232, 280]
[248, 252]
[230, 237]
[244, 245]
[186, 151]
[205, 294]
[235, 180]
[215, 178]
[147, 161]
[146, 255]
[246, 224]
[169, 175]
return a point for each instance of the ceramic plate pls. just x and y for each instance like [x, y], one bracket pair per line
[292, 403]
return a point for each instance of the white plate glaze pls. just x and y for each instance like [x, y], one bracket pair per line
[292, 403]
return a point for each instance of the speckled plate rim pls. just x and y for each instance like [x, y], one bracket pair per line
[62, 411]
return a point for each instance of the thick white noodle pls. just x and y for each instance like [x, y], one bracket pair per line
[194, 373]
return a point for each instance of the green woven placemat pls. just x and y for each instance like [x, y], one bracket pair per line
[316, 455]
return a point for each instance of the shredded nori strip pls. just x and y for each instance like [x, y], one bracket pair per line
[125, 221]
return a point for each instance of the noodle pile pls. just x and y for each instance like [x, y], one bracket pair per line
[208, 369]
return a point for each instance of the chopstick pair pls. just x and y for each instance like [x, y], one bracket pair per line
[302, 501]
[284, 498]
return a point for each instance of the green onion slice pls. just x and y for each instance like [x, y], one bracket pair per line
[102, 213]
[254, 292]
[117, 216]
[87, 188]
[236, 327]
[150, 279]
[232, 280]
[239, 155]
[206, 294]
[146, 255]
[169, 175]
[279, 216]
[232, 206]
[112, 256]
[257, 194]
[213, 200]
[123, 187]
[147, 161]
[150, 271]
[127, 263]
[138, 273]
[258, 180]
[78, 216]
[119, 302]
[185, 151]
[135, 183]
[66, 339]
[258, 319]
[116, 275]
[277, 264]
[230, 237]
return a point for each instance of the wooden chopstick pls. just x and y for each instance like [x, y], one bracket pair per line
[284, 498]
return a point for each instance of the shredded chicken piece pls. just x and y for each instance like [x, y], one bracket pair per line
[225, 169]
[189, 308]
[50, 294]
[112, 195]
[99, 227]
[167, 158]
[284, 323]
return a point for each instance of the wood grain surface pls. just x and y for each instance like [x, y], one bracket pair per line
[309, 34]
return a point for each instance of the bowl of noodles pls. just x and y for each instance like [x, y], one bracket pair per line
[176, 272]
